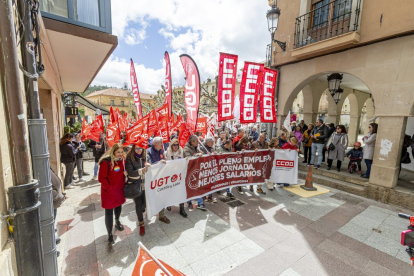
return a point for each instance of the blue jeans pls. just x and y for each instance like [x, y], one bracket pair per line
[199, 201]
[368, 162]
[319, 148]
[95, 169]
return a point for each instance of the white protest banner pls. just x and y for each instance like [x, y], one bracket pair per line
[165, 185]
[285, 167]
[286, 123]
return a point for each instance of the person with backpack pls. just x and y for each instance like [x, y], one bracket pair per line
[136, 166]
[112, 178]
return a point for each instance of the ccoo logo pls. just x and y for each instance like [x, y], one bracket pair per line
[285, 163]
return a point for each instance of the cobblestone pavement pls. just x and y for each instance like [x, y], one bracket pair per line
[275, 234]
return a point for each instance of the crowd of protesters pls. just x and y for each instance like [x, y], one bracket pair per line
[119, 166]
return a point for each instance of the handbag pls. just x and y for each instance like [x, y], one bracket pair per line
[331, 147]
[406, 159]
[305, 141]
[133, 189]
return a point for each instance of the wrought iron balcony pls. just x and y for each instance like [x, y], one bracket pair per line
[91, 14]
[327, 20]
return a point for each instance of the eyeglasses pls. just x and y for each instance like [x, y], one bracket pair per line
[138, 149]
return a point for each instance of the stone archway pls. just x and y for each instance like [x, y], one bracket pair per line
[369, 113]
[354, 117]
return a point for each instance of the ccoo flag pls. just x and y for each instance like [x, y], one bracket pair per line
[135, 90]
[267, 96]
[192, 90]
[249, 91]
[226, 86]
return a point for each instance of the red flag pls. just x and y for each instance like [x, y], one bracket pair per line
[86, 129]
[267, 96]
[95, 130]
[192, 90]
[202, 125]
[185, 133]
[112, 134]
[135, 90]
[177, 124]
[138, 133]
[99, 121]
[152, 123]
[113, 117]
[168, 88]
[145, 265]
[249, 91]
[226, 86]
[163, 110]
[163, 128]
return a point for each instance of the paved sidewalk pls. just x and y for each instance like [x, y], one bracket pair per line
[275, 234]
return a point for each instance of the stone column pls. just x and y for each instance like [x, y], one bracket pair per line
[387, 154]
[310, 118]
[353, 128]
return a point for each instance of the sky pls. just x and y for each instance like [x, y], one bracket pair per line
[201, 29]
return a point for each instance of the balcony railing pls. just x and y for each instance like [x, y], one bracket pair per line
[91, 14]
[327, 20]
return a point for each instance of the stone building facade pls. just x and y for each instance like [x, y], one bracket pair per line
[121, 99]
[369, 42]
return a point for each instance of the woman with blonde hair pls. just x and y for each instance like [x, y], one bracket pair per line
[174, 152]
[112, 178]
[136, 167]
[68, 158]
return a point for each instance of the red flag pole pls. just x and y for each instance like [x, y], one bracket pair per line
[154, 259]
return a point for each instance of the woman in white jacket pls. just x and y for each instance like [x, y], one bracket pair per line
[369, 141]
[174, 152]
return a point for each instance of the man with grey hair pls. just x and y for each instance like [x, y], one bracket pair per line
[191, 150]
[156, 154]
[207, 148]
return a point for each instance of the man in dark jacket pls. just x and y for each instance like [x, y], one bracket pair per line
[254, 134]
[282, 139]
[156, 154]
[331, 129]
[208, 146]
[319, 135]
[191, 150]
[98, 150]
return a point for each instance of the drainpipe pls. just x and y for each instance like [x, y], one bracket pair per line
[274, 134]
[24, 195]
[37, 130]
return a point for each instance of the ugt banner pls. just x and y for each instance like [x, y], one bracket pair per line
[135, 90]
[226, 86]
[167, 86]
[267, 96]
[180, 180]
[249, 91]
[192, 90]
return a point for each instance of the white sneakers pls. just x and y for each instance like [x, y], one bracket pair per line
[95, 177]
[82, 180]
[69, 187]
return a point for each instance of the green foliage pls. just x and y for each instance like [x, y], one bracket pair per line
[93, 89]
[81, 112]
[77, 127]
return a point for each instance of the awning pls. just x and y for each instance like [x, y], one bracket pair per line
[85, 102]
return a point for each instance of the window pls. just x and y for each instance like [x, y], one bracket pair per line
[212, 89]
[342, 9]
[112, 102]
[122, 103]
[320, 14]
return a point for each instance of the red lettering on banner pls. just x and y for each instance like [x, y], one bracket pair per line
[285, 163]
[192, 90]
[267, 96]
[135, 90]
[249, 91]
[168, 88]
[226, 86]
[164, 181]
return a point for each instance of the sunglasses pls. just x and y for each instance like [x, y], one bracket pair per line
[138, 149]
[175, 145]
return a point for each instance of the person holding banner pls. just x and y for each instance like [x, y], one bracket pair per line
[207, 148]
[112, 178]
[156, 154]
[273, 144]
[260, 144]
[191, 150]
[136, 168]
[174, 152]
[226, 147]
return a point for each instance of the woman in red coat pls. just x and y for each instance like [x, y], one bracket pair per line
[112, 177]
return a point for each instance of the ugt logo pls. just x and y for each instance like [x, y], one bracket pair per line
[285, 163]
[165, 181]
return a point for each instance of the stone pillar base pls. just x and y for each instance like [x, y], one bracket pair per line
[384, 176]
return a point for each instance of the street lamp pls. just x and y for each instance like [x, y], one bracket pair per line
[338, 94]
[272, 22]
[334, 80]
